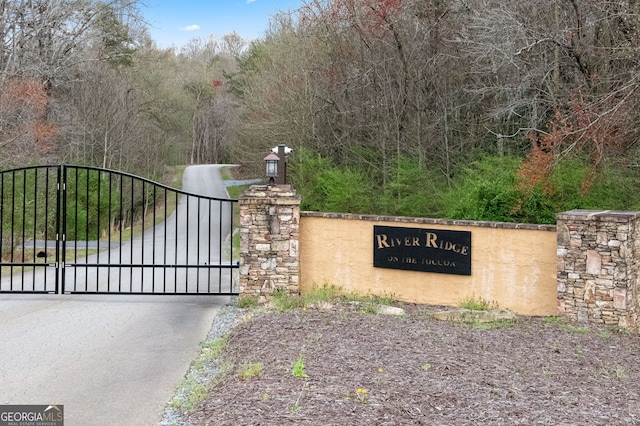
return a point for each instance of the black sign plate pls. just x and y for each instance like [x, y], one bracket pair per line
[428, 250]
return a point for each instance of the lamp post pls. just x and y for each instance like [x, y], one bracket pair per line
[283, 152]
[271, 162]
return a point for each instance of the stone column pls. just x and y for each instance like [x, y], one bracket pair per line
[269, 233]
[598, 267]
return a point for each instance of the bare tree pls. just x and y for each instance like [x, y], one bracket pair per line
[44, 46]
[567, 79]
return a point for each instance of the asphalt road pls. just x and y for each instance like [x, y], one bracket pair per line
[110, 360]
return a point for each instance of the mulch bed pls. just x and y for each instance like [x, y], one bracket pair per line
[373, 369]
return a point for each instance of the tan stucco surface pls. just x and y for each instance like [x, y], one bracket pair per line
[514, 267]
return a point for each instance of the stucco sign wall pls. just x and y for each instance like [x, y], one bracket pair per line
[514, 265]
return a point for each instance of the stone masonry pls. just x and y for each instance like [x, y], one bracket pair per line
[598, 267]
[269, 259]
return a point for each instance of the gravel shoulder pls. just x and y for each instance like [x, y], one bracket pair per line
[366, 368]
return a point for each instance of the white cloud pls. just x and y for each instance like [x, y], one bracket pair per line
[193, 27]
[250, 1]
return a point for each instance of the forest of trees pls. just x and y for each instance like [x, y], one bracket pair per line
[474, 109]
[81, 82]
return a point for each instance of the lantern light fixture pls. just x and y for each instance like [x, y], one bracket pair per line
[271, 162]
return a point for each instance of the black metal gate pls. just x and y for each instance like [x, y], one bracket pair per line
[76, 229]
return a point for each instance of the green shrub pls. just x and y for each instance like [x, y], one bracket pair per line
[25, 194]
[346, 190]
[486, 189]
[413, 191]
[615, 188]
[305, 168]
[327, 187]
[89, 199]
[612, 186]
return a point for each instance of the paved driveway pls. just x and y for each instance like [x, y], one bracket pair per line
[109, 360]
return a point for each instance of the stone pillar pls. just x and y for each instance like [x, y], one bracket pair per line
[598, 267]
[269, 233]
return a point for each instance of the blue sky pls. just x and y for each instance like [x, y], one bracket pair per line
[174, 22]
